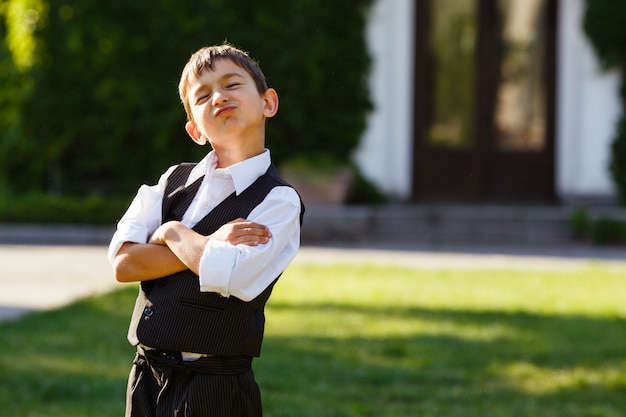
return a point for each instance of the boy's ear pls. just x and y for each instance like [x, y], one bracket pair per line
[194, 133]
[270, 97]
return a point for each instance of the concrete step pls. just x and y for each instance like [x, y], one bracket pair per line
[444, 224]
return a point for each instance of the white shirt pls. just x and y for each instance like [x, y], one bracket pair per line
[242, 271]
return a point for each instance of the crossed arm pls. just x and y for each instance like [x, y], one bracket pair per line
[174, 247]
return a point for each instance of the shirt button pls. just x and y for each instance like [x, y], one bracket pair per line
[148, 312]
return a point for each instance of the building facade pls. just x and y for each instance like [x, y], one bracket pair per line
[487, 101]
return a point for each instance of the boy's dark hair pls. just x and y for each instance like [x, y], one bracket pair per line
[204, 59]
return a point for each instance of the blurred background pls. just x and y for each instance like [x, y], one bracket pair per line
[460, 120]
[443, 129]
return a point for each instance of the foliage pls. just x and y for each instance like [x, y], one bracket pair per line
[600, 230]
[98, 108]
[62, 209]
[580, 223]
[608, 230]
[363, 192]
[618, 155]
[341, 341]
[13, 87]
[604, 24]
[22, 18]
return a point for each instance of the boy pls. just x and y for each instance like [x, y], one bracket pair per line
[208, 243]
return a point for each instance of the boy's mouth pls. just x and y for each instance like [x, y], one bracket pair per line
[223, 110]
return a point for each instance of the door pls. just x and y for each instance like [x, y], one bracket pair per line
[484, 100]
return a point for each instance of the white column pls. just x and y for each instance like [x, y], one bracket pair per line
[385, 151]
[588, 108]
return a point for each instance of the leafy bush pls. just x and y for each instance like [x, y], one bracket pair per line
[98, 111]
[608, 231]
[580, 223]
[45, 208]
[600, 230]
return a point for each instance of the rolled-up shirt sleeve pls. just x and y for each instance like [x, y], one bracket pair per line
[246, 271]
[142, 217]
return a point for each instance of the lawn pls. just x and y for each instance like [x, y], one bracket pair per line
[366, 341]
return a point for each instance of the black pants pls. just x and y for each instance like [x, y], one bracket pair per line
[162, 385]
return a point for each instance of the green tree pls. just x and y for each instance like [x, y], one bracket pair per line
[98, 110]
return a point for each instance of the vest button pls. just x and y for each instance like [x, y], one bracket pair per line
[148, 311]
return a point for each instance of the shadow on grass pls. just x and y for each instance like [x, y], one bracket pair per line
[449, 363]
[74, 362]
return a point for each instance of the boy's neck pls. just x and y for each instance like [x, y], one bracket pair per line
[229, 157]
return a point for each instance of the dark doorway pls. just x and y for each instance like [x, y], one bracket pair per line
[484, 100]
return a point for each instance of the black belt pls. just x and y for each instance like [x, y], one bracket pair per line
[216, 365]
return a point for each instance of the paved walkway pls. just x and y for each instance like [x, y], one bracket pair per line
[39, 277]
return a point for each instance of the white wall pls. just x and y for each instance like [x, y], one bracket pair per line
[588, 109]
[385, 151]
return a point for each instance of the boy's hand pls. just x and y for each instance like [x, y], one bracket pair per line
[242, 231]
[237, 232]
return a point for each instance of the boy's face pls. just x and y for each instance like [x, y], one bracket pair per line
[227, 109]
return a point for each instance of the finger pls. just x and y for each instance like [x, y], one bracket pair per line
[246, 223]
[251, 226]
[258, 233]
[256, 241]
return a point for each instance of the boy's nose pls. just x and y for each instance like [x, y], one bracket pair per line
[219, 97]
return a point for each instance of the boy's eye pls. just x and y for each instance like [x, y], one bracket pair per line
[202, 98]
[232, 85]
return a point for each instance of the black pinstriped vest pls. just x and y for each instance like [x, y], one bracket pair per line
[172, 314]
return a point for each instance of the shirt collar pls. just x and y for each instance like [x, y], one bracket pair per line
[243, 173]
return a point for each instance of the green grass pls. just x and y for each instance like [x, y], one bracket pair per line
[366, 341]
